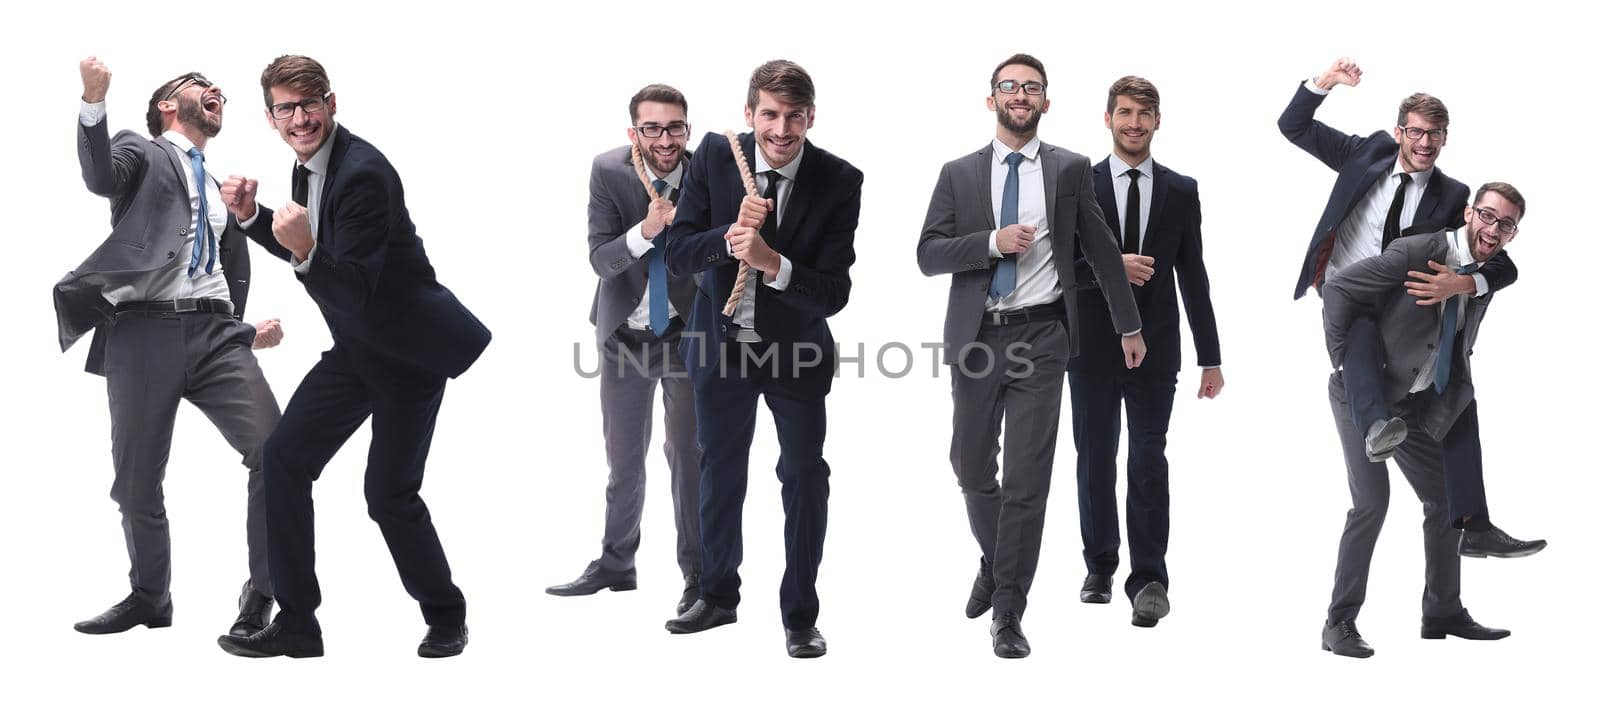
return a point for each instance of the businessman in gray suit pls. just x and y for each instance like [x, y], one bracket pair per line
[1004, 222]
[1427, 379]
[164, 295]
[636, 315]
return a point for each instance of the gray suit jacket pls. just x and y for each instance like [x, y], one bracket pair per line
[955, 241]
[1410, 333]
[151, 219]
[617, 202]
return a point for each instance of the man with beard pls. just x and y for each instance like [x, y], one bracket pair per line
[636, 314]
[1004, 222]
[164, 295]
[798, 241]
[1156, 216]
[397, 336]
[1427, 379]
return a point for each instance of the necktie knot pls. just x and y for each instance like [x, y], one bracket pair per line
[1014, 159]
[660, 186]
[195, 152]
[1405, 179]
[1469, 268]
[1133, 174]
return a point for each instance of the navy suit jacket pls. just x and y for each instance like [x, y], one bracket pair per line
[370, 275]
[1172, 237]
[817, 235]
[1360, 162]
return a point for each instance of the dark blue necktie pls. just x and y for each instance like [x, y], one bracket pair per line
[1005, 273]
[658, 277]
[1447, 337]
[204, 239]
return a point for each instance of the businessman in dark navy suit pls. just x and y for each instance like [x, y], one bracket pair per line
[798, 239]
[1155, 213]
[397, 336]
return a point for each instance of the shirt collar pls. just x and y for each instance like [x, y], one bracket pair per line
[177, 139]
[1458, 247]
[673, 179]
[1030, 150]
[788, 171]
[1145, 167]
[319, 160]
[1420, 178]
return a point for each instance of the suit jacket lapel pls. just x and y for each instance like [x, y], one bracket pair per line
[1050, 164]
[1108, 199]
[1430, 195]
[172, 158]
[983, 165]
[1157, 203]
[341, 145]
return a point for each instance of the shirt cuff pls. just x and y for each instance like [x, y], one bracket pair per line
[785, 270]
[1211, 367]
[1134, 332]
[245, 224]
[1483, 284]
[91, 114]
[1311, 86]
[994, 245]
[637, 244]
[303, 267]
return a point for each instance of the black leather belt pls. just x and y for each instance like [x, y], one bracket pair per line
[1047, 312]
[177, 306]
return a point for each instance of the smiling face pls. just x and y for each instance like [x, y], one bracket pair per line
[1018, 113]
[780, 127]
[664, 152]
[1133, 125]
[193, 107]
[304, 132]
[1484, 240]
[1418, 154]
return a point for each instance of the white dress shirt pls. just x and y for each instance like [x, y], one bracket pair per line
[172, 281]
[745, 313]
[1037, 283]
[1458, 255]
[638, 245]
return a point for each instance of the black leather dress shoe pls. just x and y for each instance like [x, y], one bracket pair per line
[443, 641]
[1341, 638]
[982, 590]
[274, 641]
[1495, 543]
[1009, 643]
[691, 592]
[255, 611]
[1096, 589]
[128, 614]
[806, 643]
[701, 617]
[595, 579]
[1150, 605]
[1383, 437]
[1460, 625]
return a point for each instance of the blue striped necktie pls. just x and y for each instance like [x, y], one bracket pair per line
[205, 240]
[658, 276]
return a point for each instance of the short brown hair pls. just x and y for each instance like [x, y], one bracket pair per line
[152, 115]
[660, 93]
[1426, 106]
[302, 74]
[784, 79]
[1507, 191]
[1026, 60]
[1137, 88]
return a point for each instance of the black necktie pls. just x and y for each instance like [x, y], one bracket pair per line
[1130, 222]
[300, 187]
[769, 229]
[1391, 226]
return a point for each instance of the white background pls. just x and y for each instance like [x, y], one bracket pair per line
[492, 114]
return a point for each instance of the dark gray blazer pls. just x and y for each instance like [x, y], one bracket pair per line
[617, 202]
[1410, 333]
[955, 241]
[151, 218]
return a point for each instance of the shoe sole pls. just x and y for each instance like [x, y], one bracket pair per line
[1426, 634]
[807, 653]
[237, 651]
[1019, 654]
[152, 624]
[974, 613]
[1326, 648]
[1513, 554]
[619, 587]
[677, 629]
[1387, 441]
[1148, 612]
[429, 653]
[1095, 598]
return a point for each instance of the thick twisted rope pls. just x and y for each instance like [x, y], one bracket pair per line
[638, 167]
[750, 189]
